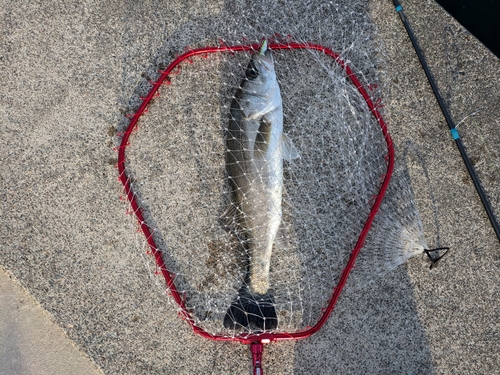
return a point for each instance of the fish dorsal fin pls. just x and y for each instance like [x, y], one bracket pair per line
[263, 137]
[290, 152]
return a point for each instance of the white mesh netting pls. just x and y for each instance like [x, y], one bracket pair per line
[177, 168]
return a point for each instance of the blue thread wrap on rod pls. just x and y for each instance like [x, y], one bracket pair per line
[454, 133]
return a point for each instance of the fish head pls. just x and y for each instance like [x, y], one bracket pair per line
[260, 76]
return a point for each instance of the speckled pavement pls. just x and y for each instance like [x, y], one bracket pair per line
[30, 343]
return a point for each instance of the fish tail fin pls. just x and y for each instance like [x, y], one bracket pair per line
[248, 308]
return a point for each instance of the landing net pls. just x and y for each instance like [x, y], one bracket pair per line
[175, 179]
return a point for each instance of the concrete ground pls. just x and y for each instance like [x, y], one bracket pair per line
[69, 70]
[31, 343]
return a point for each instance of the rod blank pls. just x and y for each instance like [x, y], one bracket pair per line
[453, 130]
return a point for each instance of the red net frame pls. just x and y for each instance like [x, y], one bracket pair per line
[256, 339]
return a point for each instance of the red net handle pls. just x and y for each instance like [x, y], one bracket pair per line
[245, 337]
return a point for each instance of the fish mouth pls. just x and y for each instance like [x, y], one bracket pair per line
[266, 61]
[265, 56]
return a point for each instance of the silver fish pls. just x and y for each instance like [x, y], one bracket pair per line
[256, 147]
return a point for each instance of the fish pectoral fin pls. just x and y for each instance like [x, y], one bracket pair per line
[263, 137]
[281, 239]
[290, 152]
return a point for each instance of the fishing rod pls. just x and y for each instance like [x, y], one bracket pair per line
[451, 125]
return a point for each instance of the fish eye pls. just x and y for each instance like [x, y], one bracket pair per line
[252, 72]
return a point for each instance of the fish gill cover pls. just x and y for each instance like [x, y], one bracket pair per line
[176, 168]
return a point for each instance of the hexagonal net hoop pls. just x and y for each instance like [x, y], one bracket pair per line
[174, 176]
